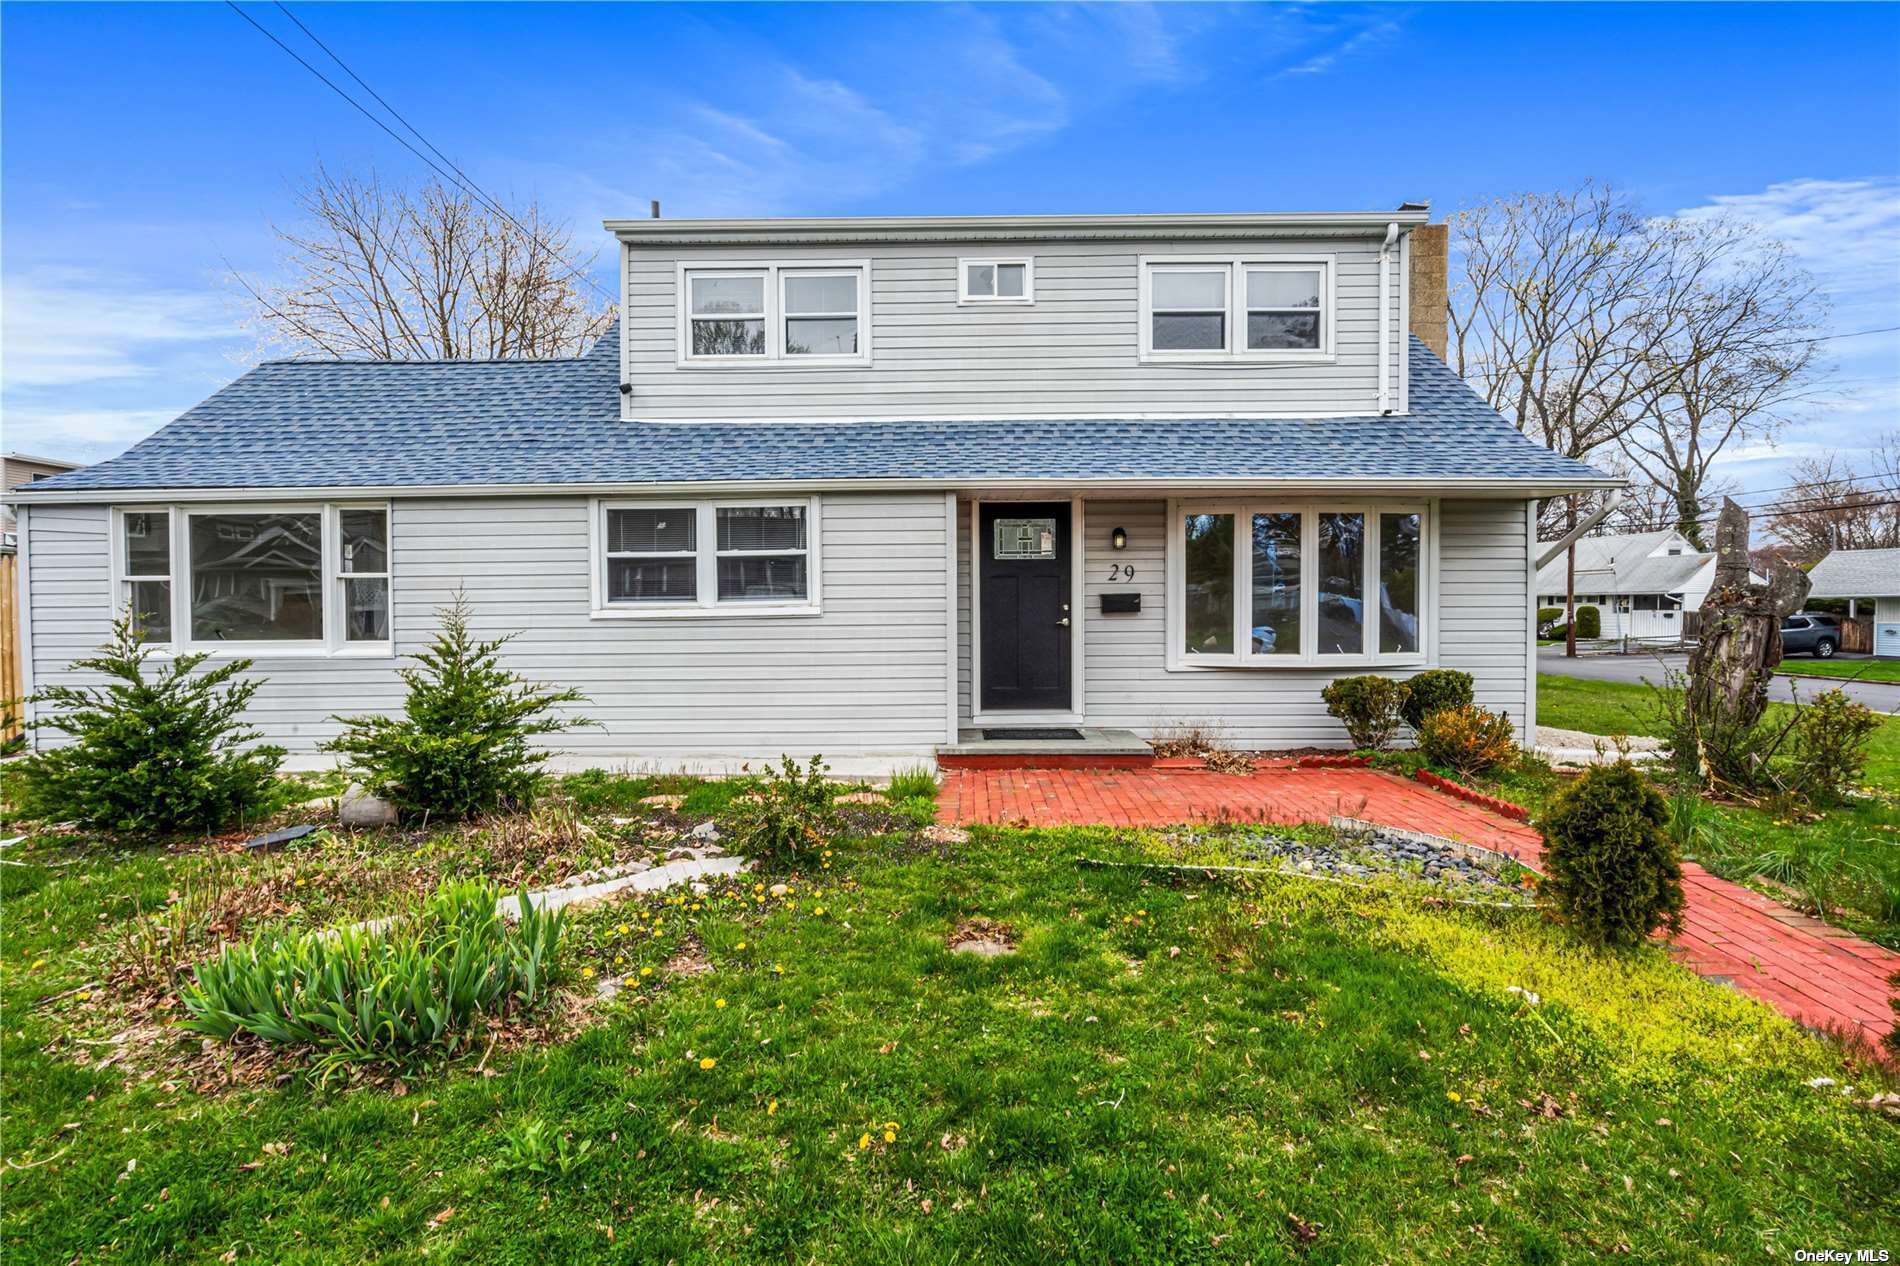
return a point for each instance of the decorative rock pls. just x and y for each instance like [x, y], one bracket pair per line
[663, 802]
[363, 811]
[937, 833]
[983, 948]
[778, 890]
[707, 831]
[860, 797]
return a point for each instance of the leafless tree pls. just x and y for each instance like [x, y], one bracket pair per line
[1829, 505]
[433, 273]
[1727, 368]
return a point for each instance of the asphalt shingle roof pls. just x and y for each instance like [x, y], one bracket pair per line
[290, 424]
[1857, 573]
[1622, 565]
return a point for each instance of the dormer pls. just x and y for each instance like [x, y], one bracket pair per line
[1027, 317]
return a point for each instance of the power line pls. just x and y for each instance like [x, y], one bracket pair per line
[459, 179]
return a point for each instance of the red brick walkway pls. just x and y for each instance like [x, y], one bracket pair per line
[1814, 974]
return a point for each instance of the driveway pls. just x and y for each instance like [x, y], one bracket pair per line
[1878, 695]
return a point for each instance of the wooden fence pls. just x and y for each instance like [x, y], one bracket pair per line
[1858, 634]
[11, 676]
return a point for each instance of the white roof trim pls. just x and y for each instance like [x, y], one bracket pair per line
[1013, 227]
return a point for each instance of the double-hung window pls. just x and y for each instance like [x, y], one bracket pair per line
[774, 314]
[1261, 584]
[1272, 309]
[753, 557]
[258, 578]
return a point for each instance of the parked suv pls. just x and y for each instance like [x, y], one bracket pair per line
[1810, 633]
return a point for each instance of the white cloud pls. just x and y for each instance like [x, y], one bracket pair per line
[65, 326]
[1357, 42]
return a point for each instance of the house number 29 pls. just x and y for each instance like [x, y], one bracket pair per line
[1121, 571]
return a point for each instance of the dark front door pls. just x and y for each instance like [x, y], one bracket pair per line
[1022, 553]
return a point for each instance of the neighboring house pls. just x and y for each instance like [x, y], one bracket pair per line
[1857, 574]
[1640, 584]
[17, 469]
[852, 486]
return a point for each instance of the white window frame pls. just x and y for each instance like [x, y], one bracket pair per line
[1178, 660]
[333, 643]
[774, 272]
[705, 603]
[966, 299]
[1236, 268]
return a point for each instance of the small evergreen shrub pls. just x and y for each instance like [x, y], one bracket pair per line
[416, 986]
[1434, 690]
[463, 743]
[791, 812]
[1468, 739]
[1613, 873]
[159, 751]
[1589, 622]
[1369, 707]
[1830, 747]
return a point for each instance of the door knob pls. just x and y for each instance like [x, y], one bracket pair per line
[1063, 623]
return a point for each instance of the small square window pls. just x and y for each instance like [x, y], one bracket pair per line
[996, 281]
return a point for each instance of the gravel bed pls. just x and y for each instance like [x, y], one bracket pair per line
[1375, 855]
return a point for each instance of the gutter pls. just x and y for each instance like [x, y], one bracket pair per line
[1602, 512]
[1385, 318]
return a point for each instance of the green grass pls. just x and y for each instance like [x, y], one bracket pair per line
[1161, 1073]
[1859, 669]
[1843, 863]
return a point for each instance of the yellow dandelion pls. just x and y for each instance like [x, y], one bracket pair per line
[646, 971]
[708, 1063]
[624, 929]
[719, 1004]
[890, 1125]
[1454, 1096]
[588, 972]
[84, 995]
[620, 960]
[819, 910]
[740, 945]
[778, 969]
[864, 1141]
[628, 982]
[37, 964]
[890, 1136]
[771, 1109]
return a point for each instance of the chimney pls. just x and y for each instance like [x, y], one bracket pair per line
[1427, 282]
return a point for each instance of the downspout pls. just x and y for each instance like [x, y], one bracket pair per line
[1385, 317]
[1590, 520]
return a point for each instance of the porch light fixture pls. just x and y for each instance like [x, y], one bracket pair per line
[1119, 538]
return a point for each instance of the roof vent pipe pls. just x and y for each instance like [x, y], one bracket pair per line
[1385, 317]
[656, 208]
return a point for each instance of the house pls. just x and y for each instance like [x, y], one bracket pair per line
[1857, 574]
[17, 469]
[862, 487]
[1641, 584]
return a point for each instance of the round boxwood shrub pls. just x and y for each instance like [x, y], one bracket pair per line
[1549, 619]
[1589, 622]
[1612, 872]
[1368, 706]
[1468, 739]
[1434, 690]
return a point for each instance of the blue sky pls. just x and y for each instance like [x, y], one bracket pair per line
[146, 149]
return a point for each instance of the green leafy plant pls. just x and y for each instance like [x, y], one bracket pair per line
[1613, 873]
[1589, 622]
[159, 751]
[1369, 707]
[1691, 820]
[1830, 747]
[790, 812]
[910, 784]
[1468, 739]
[369, 994]
[1434, 690]
[463, 744]
[1549, 620]
[534, 1147]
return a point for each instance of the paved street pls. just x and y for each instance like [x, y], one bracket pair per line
[1880, 696]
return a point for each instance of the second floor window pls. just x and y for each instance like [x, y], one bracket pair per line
[774, 313]
[1240, 309]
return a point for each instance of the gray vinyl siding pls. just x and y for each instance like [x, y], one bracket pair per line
[1482, 629]
[1073, 352]
[868, 676]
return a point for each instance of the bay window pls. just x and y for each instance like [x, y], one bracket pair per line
[1200, 309]
[1269, 584]
[257, 578]
[705, 558]
[739, 314]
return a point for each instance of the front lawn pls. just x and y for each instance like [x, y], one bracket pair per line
[1843, 863]
[1858, 669]
[1167, 1068]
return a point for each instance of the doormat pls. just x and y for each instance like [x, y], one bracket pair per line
[1073, 736]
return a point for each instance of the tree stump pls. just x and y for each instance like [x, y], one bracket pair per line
[1740, 642]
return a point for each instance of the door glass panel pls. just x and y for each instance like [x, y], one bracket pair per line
[1208, 580]
[1398, 584]
[1276, 584]
[1024, 538]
